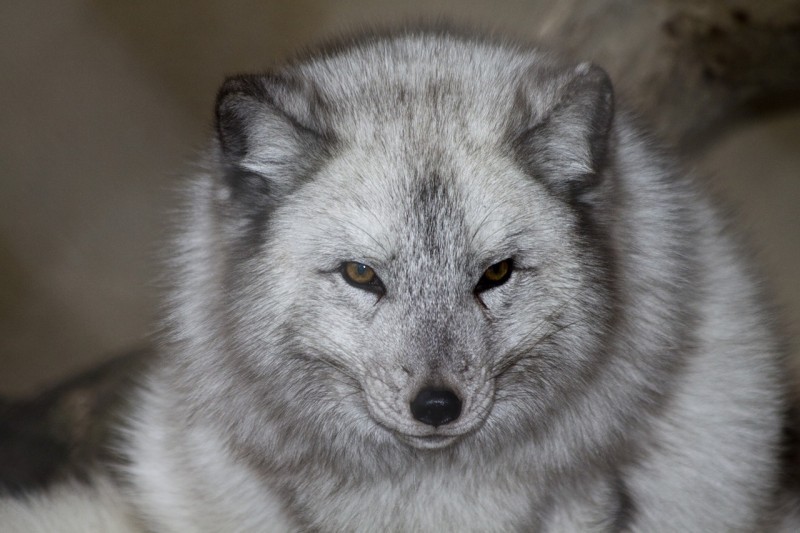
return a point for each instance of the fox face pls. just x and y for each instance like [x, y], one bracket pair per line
[419, 264]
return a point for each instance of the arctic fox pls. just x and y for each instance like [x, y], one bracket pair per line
[432, 282]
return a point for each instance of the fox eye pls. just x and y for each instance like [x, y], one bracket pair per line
[495, 275]
[362, 276]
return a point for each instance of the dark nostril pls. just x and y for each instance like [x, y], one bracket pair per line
[435, 407]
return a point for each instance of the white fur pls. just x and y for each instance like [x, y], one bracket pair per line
[70, 508]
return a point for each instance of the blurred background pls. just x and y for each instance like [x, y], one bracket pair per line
[104, 105]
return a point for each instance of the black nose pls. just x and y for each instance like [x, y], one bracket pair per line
[435, 407]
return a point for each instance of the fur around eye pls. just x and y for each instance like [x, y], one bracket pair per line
[362, 276]
[495, 275]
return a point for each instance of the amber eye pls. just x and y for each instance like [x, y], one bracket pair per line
[495, 275]
[362, 276]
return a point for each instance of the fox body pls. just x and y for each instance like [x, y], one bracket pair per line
[439, 283]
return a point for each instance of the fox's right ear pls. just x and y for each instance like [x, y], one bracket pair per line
[270, 133]
[567, 121]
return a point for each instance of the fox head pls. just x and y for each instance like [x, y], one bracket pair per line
[402, 253]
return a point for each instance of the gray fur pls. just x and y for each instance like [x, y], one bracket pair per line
[626, 377]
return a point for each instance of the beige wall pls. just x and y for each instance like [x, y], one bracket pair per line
[103, 104]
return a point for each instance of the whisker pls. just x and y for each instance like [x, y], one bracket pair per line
[481, 223]
[524, 346]
[505, 223]
[365, 232]
[334, 358]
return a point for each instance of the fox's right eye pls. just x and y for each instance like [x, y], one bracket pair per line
[362, 276]
[495, 275]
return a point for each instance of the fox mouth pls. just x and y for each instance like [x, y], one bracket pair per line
[430, 442]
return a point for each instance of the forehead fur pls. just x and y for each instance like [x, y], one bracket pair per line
[422, 157]
[385, 208]
[419, 81]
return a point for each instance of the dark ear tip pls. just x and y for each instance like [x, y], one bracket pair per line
[243, 85]
[233, 84]
[595, 84]
[594, 75]
[236, 98]
[230, 110]
[591, 71]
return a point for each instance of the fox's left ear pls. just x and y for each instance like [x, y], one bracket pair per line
[269, 133]
[569, 115]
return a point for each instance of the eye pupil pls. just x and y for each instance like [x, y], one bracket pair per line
[361, 276]
[359, 272]
[497, 271]
[495, 275]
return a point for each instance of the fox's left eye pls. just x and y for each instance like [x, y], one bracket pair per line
[495, 275]
[362, 276]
